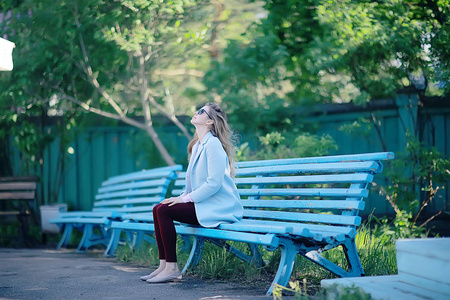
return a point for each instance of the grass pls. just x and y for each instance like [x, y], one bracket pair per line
[377, 258]
[377, 255]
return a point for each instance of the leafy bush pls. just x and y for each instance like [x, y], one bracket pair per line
[274, 145]
[413, 181]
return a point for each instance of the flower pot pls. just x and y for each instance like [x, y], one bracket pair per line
[49, 212]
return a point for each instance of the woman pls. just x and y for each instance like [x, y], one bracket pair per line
[210, 198]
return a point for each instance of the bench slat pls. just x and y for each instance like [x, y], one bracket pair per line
[270, 240]
[260, 228]
[345, 167]
[81, 220]
[318, 159]
[312, 192]
[16, 186]
[303, 217]
[306, 204]
[131, 193]
[142, 175]
[125, 201]
[306, 179]
[146, 208]
[87, 214]
[297, 228]
[17, 195]
[133, 185]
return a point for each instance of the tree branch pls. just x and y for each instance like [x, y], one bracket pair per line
[90, 74]
[179, 72]
[100, 112]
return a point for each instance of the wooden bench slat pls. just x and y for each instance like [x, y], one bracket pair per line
[305, 204]
[131, 193]
[303, 217]
[260, 228]
[312, 192]
[126, 201]
[143, 175]
[306, 179]
[17, 186]
[81, 220]
[375, 156]
[345, 167]
[132, 185]
[268, 239]
[297, 228]
[143, 208]
[10, 195]
[87, 214]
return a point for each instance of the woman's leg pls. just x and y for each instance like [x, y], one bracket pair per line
[185, 213]
[161, 252]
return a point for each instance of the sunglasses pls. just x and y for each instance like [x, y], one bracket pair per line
[201, 111]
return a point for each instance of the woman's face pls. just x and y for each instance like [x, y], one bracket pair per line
[202, 116]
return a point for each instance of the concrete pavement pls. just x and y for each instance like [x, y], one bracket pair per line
[65, 274]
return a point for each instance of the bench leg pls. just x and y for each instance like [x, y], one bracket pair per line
[65, 238]
[87, 234]
[113, 242]
[139, 237]
[354, 264]
[288, 253]
[353, 261]
[195, 255]
[256, 256]
[90, 239]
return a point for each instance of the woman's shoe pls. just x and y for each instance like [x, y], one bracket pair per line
[170, 278]
[149, 276]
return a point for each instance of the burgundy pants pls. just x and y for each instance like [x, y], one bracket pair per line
[166, 236]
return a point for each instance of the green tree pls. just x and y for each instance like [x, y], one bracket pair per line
[361, 50]
[108, 58]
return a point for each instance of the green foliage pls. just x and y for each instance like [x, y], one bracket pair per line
[402, 226]
[359, 50]
[413, 181]
[275, 145]
[334, 292]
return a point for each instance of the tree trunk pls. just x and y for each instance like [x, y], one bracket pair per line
[147, 113]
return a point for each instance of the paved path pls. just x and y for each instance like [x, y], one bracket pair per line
[64, 274]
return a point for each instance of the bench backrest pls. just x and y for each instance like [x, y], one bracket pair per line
[18, 188]
[138, 191]
[326, 190]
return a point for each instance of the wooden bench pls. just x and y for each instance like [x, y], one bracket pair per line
[137, 191]
[16, 196]
[303, 205]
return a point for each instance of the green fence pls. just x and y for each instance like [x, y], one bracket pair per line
[100, 152]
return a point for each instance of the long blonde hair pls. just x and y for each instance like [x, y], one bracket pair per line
[222, 131]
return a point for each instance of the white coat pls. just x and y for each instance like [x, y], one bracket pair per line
[210, 185]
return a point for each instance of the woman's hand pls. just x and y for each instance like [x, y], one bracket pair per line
[172, 201]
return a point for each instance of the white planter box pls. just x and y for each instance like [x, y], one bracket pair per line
[6, 48]
[49, 212]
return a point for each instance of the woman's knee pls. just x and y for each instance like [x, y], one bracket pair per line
[160, 209]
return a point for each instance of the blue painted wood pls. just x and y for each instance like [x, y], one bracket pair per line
[137, 191]
[304, 205]
[311, 192]
[319, 159]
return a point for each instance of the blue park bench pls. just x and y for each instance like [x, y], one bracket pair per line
[302, 205]
[137, 191]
